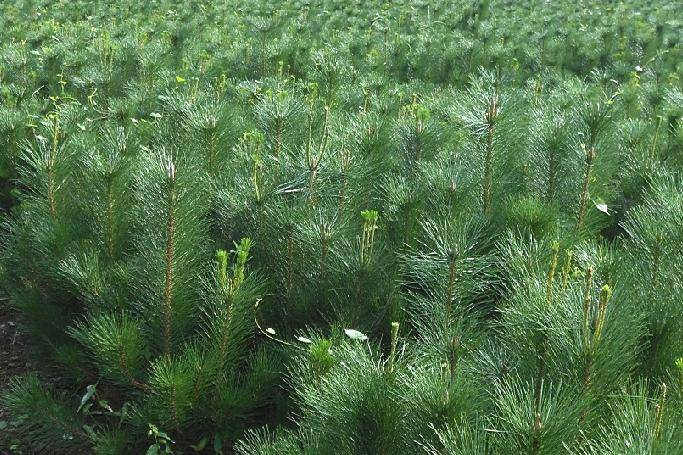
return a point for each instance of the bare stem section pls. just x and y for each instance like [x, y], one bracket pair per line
[170, 254]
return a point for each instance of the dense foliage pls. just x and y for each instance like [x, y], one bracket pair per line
[344, 227]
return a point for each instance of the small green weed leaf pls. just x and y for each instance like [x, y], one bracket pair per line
[89, 392]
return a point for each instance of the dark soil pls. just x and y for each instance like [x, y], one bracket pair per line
[13, 350]
[13, 358]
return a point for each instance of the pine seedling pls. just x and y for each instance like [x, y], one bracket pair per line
[353, 398]
[281, 255]
[94, 270]
[171, 391]
[329, 72]
[277, 113]
[42, 233]
[314, 158]
[592, 335]
[403, 203]
[595, 123]
[435, 392]
[417, 136]
[361, 280]
[112, 169]
[549, 149]
[301, 249]
[232, 297]
[244, 188]
[208, 123]
[451, 183]
[171, 245]
[639, 425]
[319, 236]
[526, 423]
[116, 345]
[45, 165]
[542, 346]
[486, 113]
[447, 267]
[654, 234]
[590, 346]
[610, 334]
[50, 420]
